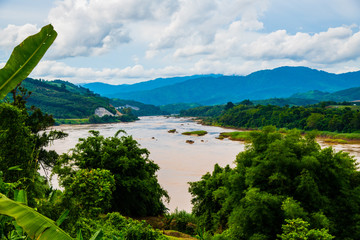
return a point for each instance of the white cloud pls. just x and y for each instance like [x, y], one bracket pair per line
[94, 27]
[13, 35]
[334, 45]
[197, 22]
[58, 70]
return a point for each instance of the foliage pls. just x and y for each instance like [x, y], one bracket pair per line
[237, 136]
[23, 141]
[181, 221]
[280, 177]
[115, 225]
[16, 145]
[198, 133]
[91, 190]
[34, 224]
[177, 107]
[24, 59]
[297, 229]
[203, 111]
[306, 118]
[138, 192]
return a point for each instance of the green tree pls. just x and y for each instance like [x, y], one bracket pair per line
[282, 177]
[297, 229]
[138, 192]
[91, 191]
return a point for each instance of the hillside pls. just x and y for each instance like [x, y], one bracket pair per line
[350, 94]
[218, 89]
[63, 99]
[66, 100]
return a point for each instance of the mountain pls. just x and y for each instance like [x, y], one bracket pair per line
[109, 90]
[277, 83]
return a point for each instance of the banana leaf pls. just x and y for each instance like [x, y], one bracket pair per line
[24, 59]
[98, 235]
[34, 224]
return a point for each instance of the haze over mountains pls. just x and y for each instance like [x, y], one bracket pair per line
[218, 89]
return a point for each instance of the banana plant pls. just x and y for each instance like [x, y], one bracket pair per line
[24, 59]
[34, 224]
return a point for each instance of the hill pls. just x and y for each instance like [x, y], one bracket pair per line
[65, 100]
[350, 94]
[218, 89]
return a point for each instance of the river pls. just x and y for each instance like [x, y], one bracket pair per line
[179, 161]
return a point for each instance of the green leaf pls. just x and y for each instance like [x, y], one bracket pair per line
[79, 235]
[21, 196]
[15, 168]
[34, 224]
[63, 216]
[24, 59]
[97, 236]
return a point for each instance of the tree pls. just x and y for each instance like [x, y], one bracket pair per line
[229, 105]
[138, 192]
[282, 177]
[297, 229]
[91, 191]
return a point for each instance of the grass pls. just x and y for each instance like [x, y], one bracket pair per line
[173, 235]
[197, 133]
[335, 135]
[336, 141]
[59, 121]
[236, 136]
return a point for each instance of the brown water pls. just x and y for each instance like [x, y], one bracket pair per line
[179, 161]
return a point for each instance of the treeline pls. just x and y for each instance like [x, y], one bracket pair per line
[325, 116]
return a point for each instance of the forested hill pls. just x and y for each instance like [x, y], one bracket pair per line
[350, 94]
[218, 89]
[65, 100]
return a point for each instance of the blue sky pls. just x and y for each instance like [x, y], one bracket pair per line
[128, 41]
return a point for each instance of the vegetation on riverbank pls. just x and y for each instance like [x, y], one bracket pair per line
[235, 136]
[196, 133]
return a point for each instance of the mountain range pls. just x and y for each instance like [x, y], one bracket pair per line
[280, 82]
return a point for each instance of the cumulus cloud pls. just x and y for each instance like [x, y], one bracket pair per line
[334, 45]
[13, 35]
[131, 74]
[93, 27]
[196, 23]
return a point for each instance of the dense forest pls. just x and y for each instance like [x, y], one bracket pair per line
[325, 116]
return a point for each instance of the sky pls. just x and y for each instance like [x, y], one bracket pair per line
[129, 41]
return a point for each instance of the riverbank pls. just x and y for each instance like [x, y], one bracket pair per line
[327, 136]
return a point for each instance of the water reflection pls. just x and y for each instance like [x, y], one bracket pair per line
[179, 161]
